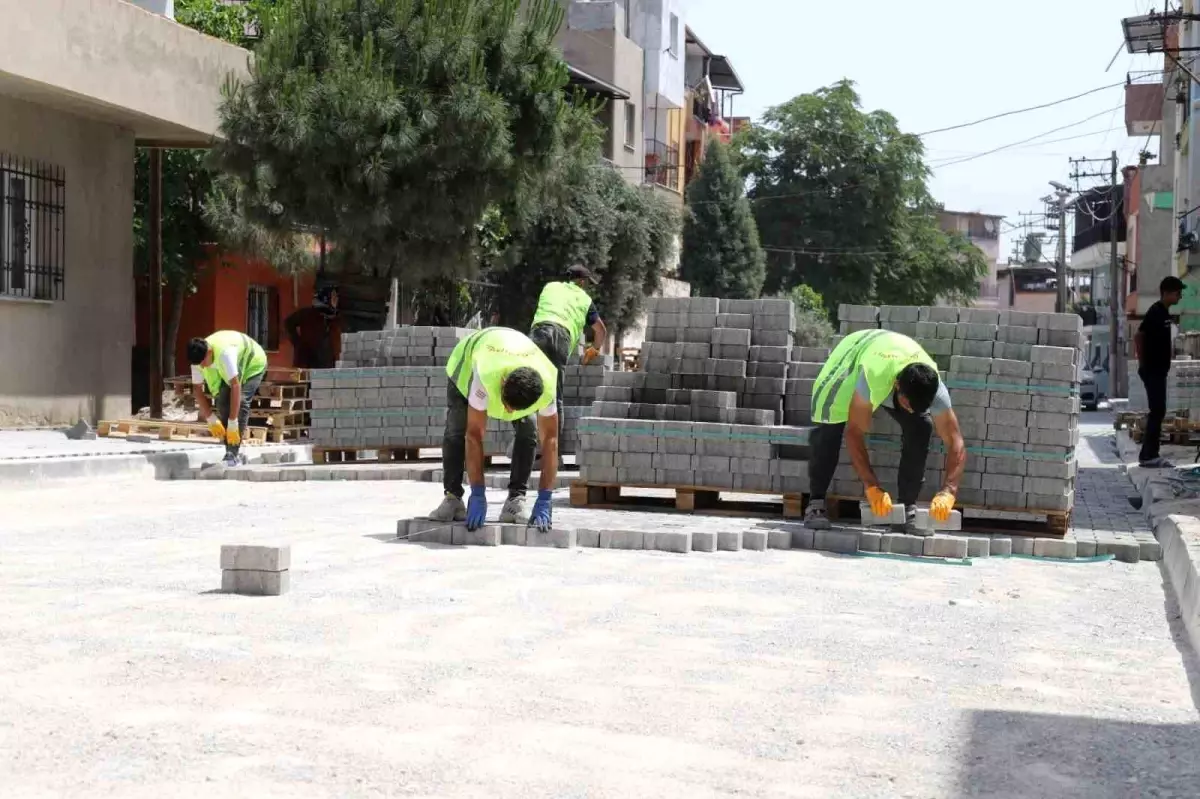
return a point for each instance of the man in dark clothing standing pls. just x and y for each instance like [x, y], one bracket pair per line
[1154, 349]
[314, 330]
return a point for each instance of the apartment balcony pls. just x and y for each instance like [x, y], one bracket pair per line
[1144, 97]
[662, 165]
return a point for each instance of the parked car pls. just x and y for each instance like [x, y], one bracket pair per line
[1089, 397]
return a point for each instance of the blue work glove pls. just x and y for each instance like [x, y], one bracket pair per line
[540, 518]
[476, 508]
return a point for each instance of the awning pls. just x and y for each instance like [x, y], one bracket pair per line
[723, 76]
[589, 83]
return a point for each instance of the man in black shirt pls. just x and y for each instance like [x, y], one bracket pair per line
[1154, 349]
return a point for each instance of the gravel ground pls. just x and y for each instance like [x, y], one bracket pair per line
[396, 669]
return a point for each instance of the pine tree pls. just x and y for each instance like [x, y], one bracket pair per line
[393, 125]
[721, 253]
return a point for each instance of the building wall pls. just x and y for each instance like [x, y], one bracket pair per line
[664, 57]
[221, 303]
[69, 359]
[115, 62]
[1154, 255]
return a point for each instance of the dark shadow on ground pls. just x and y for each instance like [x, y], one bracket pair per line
[1040, 756]
[1183, 643]
[1103, 446]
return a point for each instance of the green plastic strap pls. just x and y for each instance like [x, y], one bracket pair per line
[990, 386]
[1093, 559]
[891, 442]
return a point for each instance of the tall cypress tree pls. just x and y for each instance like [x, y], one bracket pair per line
[721, 254]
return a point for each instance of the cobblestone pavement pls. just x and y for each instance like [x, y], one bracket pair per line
[1102, 489]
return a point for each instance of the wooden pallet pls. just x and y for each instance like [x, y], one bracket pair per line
[171, 431]
[279, 418]
[1127, 419]
[286, 405]
[1055, 524]
[282, 435]
[687, 499]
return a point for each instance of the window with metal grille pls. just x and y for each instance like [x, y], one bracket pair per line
[33, 197]
[262, 316]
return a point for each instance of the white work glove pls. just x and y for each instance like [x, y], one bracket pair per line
[232, 437]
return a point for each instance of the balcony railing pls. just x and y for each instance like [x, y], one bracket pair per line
[662, 164]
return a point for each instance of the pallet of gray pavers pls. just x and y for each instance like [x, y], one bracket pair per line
[255, 570]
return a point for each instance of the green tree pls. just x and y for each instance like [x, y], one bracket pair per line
[813, 328]
[624, 233]
[394, 125]
[841, 200]
[721, 254]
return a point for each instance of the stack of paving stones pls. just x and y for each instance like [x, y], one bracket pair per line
[255, 570]
[706, 408]
[404, 346]
[1183, 389]
[580, 384]
[1014, 384]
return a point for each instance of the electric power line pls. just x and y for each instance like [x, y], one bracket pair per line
[952, 162]
[1022, 110]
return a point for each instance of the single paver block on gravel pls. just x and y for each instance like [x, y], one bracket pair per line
[245, 557]
[844, 542]
[704, 541]
[556, 537]
[779, 539]
[729, 542]
[255, 583]
[1001, 547]
[486, 536]
[1062, 549]
[755, 540]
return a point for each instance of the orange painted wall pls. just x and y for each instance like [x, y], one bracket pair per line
[220, 303]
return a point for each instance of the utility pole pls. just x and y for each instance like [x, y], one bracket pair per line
[1116, 272]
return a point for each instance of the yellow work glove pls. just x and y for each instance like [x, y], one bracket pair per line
[233, 438]
[215, 428]
[941, 506]
[881, 503]
[589, 354]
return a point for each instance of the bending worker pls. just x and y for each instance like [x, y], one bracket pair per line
[564, 308]
[232, 365]
[500, 373]
[868, 370]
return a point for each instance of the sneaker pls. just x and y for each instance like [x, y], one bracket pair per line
[910, 524]
[513, 511]
[232, 461]
[815, 517]
[1157, 463]
[452, 509]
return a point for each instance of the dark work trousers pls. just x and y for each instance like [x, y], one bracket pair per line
[454, 447]
[1156, 399]
[825, 445]
[249, 389]
[555, 342]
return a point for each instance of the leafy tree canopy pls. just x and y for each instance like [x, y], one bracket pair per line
[841, 201]
[721, 254]
[393, 125]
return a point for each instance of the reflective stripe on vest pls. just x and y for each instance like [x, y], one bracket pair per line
[252, 359]
[842, 365]
[494, 352]
[566, 305]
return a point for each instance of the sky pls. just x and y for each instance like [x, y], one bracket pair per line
[936, 63]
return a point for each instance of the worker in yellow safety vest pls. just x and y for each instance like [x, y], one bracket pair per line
[498, 372]
[564, 310]
[231, 365]
[874, 369]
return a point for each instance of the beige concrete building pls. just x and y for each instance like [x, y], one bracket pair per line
[81, 83]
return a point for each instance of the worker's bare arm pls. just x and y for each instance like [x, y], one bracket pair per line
[599, 334]
[548, 438]
[946, 424]
[235, 400]
[476, 426]
[857, 426]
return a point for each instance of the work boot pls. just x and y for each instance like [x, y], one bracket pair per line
[1157, 463]
[513, 511]
[910, 523]
[452, 509]
[232, 460]
[815, 517]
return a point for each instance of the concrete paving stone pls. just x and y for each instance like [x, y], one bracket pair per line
[1022, 545]
[489, 535]
[970, 397]
[942, 546]
[978, 546]
[704, 540]
[621, 539]
[779, 539]
[255, 583]
[937, 313]
[1149, 550]
[755, 540]
[250, 557]
[902, 544]
[870, 541]
[840, 540]
[1062, 549]
[802, 538]
[556, 537]
[1085, 548]
[967, 365]
[729, 541]
[1001, 546]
